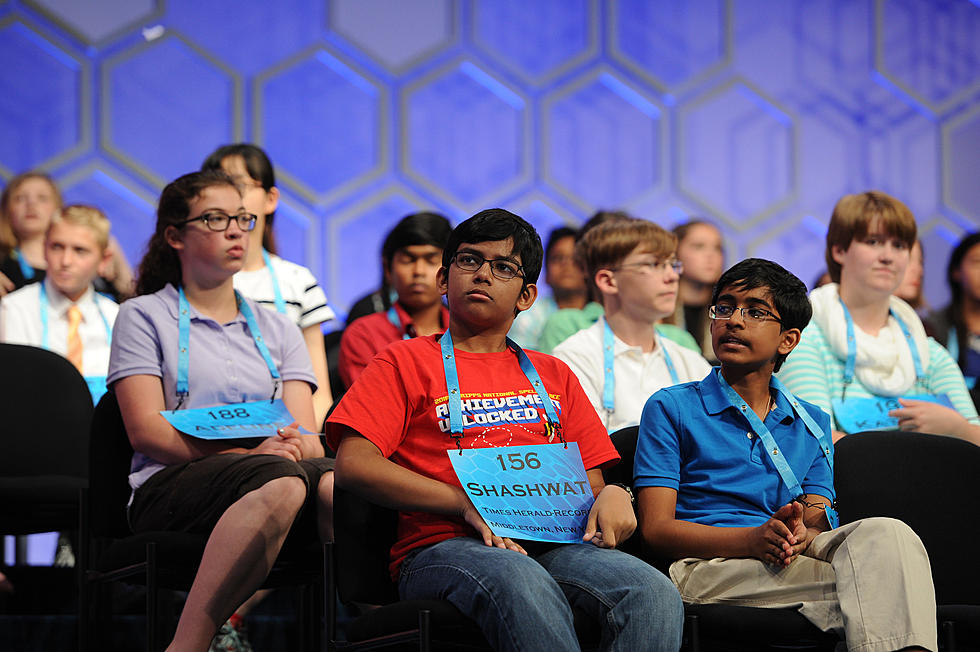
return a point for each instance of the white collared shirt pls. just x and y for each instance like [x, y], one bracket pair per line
[20, 323]
[638, 374]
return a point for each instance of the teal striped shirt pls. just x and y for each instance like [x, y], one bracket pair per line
[815, 374]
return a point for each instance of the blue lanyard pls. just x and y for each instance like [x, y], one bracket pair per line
[608, 367]
[44, 317]
[396, 321]
[453, 394]
[276, 292]
[184, 339]
[25, 267]
[852, 348]
[772, 448]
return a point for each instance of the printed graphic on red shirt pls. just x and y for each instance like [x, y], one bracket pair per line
[514, 408]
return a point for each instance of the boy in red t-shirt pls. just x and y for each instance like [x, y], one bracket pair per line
[412, 256]
[392, 432]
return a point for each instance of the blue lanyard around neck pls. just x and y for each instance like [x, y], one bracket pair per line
[396, 321]
[26, 270]
[453, 393]
[276, 291]
[184, 339]
[44, 317]
[608, 367]
[852, 347]
[772, 448]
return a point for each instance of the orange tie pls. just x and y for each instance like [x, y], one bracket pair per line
[74, 353]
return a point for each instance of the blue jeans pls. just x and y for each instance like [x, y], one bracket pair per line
[525, 603]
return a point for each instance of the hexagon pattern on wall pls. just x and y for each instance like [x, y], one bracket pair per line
[536, 40]
[397, 35]
[938, 70]
[624, 154]
[758, 114]
[961, 141]
[737, 152]
[45, 115]
[317, 98]
[163, 93]
[670, 43]
[465, 135]
[95, 22]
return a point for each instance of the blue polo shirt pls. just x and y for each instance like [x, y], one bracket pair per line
[693, 440]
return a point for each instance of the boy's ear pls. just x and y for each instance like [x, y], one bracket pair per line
[527, 297]
[605, 280]
[105, 265]
[788, 339]
[442, 280]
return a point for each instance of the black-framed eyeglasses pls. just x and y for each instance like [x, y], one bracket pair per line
[502, 268]
[751, 315]
[218, 221]
[660, 266]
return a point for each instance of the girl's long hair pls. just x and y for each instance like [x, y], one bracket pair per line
[160, 264]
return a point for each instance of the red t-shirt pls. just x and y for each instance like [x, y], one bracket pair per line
[368, 336]
[400, 404]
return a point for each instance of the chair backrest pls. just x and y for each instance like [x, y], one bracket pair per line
[47, 409]
[927, 481]
[363, 535]
[625, 442]
[110, 458]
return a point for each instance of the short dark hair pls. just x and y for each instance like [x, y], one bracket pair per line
[495, 224]
[557, 235]
[416, 229]
[788, 293]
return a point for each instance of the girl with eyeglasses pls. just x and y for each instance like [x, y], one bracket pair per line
[865, 357]
[190, 354]
[273, 282]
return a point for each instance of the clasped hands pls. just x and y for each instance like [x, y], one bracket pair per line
[782, 538]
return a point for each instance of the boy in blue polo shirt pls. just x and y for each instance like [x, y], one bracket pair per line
[734, 480]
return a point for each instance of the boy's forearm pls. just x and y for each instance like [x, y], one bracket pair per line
[362, 469]
[674, 539]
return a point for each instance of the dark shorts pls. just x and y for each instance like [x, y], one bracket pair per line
[192, 496]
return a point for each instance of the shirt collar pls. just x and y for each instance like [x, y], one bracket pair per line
[172, 300]
[715, 401]
[408, 324]
[59, 303]
[620, 347]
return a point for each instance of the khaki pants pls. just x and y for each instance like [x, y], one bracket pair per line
[868, 580]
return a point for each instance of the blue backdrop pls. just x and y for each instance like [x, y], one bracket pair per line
[756, 113]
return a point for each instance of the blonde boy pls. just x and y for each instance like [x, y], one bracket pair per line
[621, 360]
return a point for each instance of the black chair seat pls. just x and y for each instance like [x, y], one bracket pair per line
[40, 503]
[735, 627]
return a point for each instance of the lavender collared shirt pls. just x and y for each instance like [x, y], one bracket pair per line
[225, 365]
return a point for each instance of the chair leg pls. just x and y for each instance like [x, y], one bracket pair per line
[152, 626]
[948, 634]
[329, 598]
[692, 633]
[425, 630]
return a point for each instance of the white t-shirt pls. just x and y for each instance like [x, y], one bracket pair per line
[20, 323]
[306, 303]
[638, 374]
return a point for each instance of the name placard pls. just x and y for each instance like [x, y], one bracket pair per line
[232, 421]
[538, 492]
[862, 414]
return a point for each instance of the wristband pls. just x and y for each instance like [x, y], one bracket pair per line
[626, 488]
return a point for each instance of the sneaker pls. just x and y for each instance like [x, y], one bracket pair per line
[227, 640]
